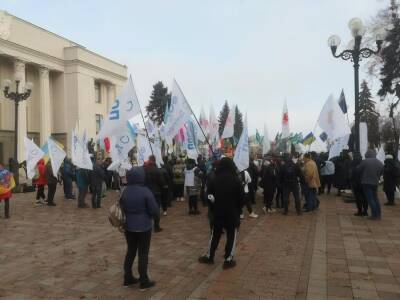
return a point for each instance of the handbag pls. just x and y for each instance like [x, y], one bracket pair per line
[116, 215]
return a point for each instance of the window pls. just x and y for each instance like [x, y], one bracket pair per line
[99, 123]
[97, 92]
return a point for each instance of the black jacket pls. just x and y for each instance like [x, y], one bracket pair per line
[154, 179]
[269, 179]
[389, 175]
[97, 175]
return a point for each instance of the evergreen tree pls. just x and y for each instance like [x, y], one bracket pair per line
[369, 115]
[158, 103]
[238, 127]
[223, 115]
[390, 70]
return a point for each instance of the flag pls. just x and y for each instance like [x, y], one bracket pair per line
[338, 146]
[342, 102]
[242, 152]
[296, 139]
[323, 136]
[204, 124]
[190, 145]
[180, 111]
[266, 143]
[332, 120]
[213, 127]
[363, 138]
[57, 155]
[86, 162]
[258, 137]
[309, 139]
[285, 121]
[143, 149]
[381, 155]
[166, 114]
[33, 155]
[229, 124]
[125, 107]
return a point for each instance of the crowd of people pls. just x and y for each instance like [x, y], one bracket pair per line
[147, 192]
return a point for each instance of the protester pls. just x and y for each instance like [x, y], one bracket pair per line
[209, 179]
[7, 183]
[290, 176]
[355, 180]
[253, 172]
[192, 185]
[269, 184]
[178, 179]
[390, 177]
[155, 182]
[165, 189]
[40, 182]
[201, 164]
[371, 170]
[139, 206]
[52, 181]
[67, 178]
[82, 181]
[342, 173]
[327, 175]
[97, 177]
[225, 193]
[279, 194]
[246, 182]
[312, 182]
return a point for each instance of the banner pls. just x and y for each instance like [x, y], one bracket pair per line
[33, 155]
[363, 138]
[229, 124]
[332, 120]
[179, 112]
[266, 143]
[191, 145]
[125, 107]
[338, 146]
[285, 122]
[57, 155]
[242, 153]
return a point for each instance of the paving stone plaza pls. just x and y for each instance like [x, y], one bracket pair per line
[67, 253]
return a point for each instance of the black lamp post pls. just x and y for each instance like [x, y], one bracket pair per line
[356, 54]
[17, 97]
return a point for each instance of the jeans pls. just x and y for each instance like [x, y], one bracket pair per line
[294, 189]
[311, 198]
[96, 196]
[51, 192]
[67, 182]
[40, 192]
[193, 203]
[268, 197]
[82, 195]
[371, 193]
[137, 242]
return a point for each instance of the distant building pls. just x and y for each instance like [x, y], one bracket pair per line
[71, 85]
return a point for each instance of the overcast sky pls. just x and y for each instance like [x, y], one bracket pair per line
[252, 53]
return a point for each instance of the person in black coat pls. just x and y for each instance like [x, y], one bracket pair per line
[269, 183]
[355, 180]
[253, 185]
[390, 175]
[226, 195]
[291, 175]
[97, 176]
[341, 179]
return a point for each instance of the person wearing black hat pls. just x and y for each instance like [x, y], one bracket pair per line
[290, 177]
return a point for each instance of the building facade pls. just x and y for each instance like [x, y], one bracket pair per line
[71, 85]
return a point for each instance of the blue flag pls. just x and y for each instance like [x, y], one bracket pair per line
[309, 139]
[342, 102]
[323, 136]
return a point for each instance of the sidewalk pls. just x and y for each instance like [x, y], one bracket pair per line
[65, 253]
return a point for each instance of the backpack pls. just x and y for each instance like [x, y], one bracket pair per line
[116, 215]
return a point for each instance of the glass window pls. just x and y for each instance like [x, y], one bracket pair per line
[97, 92]
[99, 123]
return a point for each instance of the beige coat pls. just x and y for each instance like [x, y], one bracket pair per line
[311, 174]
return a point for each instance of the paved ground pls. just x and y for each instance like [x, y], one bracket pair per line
[65, 253]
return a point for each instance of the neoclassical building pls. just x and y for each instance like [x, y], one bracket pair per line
[71, 85]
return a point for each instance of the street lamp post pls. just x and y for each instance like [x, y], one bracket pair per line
[17, 97]
[356, 53]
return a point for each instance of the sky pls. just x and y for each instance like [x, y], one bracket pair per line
[252, 53]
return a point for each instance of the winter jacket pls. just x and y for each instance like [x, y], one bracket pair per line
[341, 180]
[154, 179]
[50, 178]
[311, 174]
[97, 176]
[389, 175]
[371, 169]
[178, 174]
[269, 179]
[42, 173]
[328, 168]
[138, 202]
[193, 180]
[82, 178]
[290, 173]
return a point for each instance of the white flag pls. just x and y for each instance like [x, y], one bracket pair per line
[285, 122]
[204, 124]
[120, 146]
[242, 152]
[190, 144]
[57, 155]
[33, 155]
[179, 113]
[332, 120]
[213, 126]
[363, 138]
[381, 155]
[143, 149]
[338, 146]
[125, 107]
[86, 161]
[266, 143]
[229, 124]
[79, 153]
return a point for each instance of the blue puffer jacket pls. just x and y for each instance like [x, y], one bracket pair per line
[138, 202]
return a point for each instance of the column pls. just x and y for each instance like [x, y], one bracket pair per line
[110, 96]
[19, 74]
[45, 107]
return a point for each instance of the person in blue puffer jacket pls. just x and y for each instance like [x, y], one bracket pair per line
[140, 207]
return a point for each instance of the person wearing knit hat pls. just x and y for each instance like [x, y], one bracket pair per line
[389, 179]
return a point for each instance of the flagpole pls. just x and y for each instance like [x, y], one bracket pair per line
[198, 123]
[145, 128]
